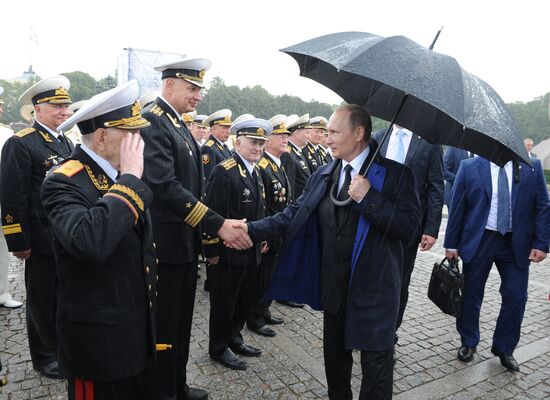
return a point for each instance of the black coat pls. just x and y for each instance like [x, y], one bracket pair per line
[233, 193]
[213, 153]
[102, 241]
[26, 157]
[426, 162]
[373, 296]
[173, 171]
[277, 186]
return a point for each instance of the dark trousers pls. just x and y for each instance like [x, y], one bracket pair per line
[41, 287]
[233, 290]
[376, 366]
[408, 265]
[175, 303]
[260, 308]
[133, 388]
[494, 248]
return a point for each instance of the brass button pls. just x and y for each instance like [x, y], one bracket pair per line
[154, 245]
[150, 304]
[149, 287]
[147, 269]
[157, 260]
[157, 278]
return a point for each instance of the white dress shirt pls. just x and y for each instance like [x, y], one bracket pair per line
[275, 159]
[492, 220]
[391, 152]
[356, 165]
[103, 163]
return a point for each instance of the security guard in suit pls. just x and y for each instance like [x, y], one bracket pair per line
[102, 239]
[297, 164]
[235, 190]
[215, 150]
[278, 193]
[317, 133]
[26, 157]
[173, 171]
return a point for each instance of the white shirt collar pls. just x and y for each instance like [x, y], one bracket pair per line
[173, 109]
[405, 130]
[103, 163]
[249, 166]
[358, 161]
[275, 159]
[53, 133]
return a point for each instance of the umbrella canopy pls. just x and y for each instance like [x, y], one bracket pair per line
[444, 103]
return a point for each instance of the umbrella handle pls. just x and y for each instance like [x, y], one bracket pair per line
[334, 187]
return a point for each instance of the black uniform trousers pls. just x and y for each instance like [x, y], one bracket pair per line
[233, 290]
[41, 305]
[259, 311]
[133, 388]
[409, 259]
[175, 303]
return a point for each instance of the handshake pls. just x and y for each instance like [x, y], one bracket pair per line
[234, 234]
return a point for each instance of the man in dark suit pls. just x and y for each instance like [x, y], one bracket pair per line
[502, 216]
[347, 260]
[173, 171]
[235, 190]
[452, 158]
[215, 150]
[278, 192]
[425, 161]
[528, 142]
[26, 157]
[102, 240]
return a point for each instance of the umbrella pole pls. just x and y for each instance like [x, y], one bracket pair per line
[334, 188]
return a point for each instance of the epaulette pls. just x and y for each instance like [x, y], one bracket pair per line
[157, 110]
[264, 162]
[229, 163]
[69, 168]
[209, 143]
[25, 132]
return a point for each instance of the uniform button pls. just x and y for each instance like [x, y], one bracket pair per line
[154, 245]
[157, 260]
[149, 287]
[157, 294]
[147, 269]
[150, 304]
[157, 278]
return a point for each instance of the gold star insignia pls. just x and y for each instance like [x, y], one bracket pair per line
[9, 219]
[188, 205]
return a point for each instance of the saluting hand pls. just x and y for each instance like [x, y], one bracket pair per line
[131, 155]
[358, 188]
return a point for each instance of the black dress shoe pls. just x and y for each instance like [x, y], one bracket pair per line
[291, 304]
[271, 320]
[49, 370]
[466, 354]
[190, 393]
[245, 350]
[508, 362]
[228, 359]
[264, 331]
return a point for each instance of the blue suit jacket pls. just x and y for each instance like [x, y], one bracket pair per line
[471, 201]
[373, 295]
[452, 158]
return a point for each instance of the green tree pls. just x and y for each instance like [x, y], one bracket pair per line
[83, 85]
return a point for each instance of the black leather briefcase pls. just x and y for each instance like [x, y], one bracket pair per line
[447, 286]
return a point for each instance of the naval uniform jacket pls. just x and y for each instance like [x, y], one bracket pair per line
[26, 157]
[173, 170]
[276, 184]
[213, 152]
[233, 193]
[299, 168]
[312, 157]
[102, 241]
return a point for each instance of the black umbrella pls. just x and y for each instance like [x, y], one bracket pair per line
[398, 80]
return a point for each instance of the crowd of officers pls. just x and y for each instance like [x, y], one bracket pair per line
[97, 313]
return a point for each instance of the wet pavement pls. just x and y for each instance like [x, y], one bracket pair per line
[291, 365]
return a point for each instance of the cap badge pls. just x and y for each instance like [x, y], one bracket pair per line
[201, 73]
[136, 109]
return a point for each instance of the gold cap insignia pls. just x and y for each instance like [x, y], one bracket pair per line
[201, 73]
[136, 109]
[260, 131]
[61, 92]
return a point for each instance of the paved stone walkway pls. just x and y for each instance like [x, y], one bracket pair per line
[291, 366]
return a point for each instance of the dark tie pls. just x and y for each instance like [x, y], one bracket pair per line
[63, 140]
[503, 211]
[343, 195]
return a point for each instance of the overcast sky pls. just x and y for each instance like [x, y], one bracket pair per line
[508, 46]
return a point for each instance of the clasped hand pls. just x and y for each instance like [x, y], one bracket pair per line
[234, 234]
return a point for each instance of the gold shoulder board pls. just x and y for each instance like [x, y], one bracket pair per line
[25, 132]
[229, 163]
[263, 163]
[69, 168]
[209, 143]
